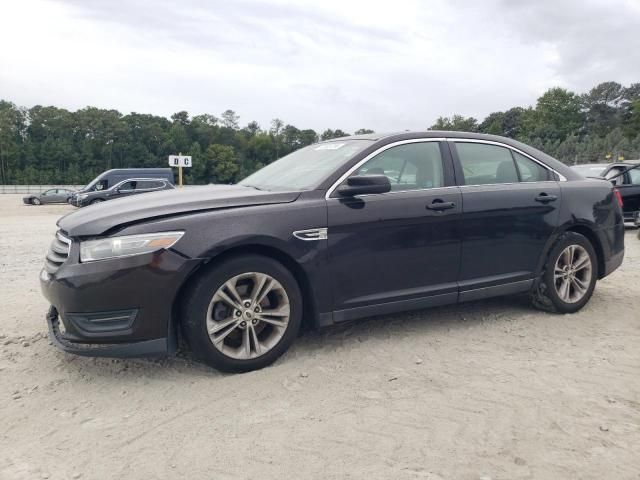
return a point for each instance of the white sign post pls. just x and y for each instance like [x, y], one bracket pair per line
[180, 161]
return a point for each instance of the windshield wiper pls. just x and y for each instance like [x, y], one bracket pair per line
[252, 186]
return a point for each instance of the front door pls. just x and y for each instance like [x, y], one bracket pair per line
[510, 209]
[630, 193]
[400, 249]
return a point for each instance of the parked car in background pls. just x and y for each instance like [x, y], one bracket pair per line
[125, 188]
[628, 184]
[319, 238]
[53, 195]
[112, 177]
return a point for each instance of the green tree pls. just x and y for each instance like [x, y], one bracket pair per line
[223, 164]
[558, 114]
[230, 119]
[456, 123]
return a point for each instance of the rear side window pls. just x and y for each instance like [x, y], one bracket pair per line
[486, 164]
[412, 166]
[529, 170]
[635, 176]
[149, 184]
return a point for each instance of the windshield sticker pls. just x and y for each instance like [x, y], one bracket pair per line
[330, 146]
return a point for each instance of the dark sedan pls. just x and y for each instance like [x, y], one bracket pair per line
[626, 177]
[336, 231]
[53, 195]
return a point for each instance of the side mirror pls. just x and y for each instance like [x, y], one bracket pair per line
[365, 184]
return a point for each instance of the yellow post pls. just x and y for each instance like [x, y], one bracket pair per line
[180, 175]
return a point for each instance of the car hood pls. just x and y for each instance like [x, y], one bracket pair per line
[99, 218]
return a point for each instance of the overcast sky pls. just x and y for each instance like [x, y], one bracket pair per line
[321, 64]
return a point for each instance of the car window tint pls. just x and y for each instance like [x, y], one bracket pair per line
[635, 176]
[486, 164]
[412, 166]
[529, 170]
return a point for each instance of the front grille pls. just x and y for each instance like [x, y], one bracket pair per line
[57, 254]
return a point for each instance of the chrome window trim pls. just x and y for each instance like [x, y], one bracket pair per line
[561, 177]
[373, 154]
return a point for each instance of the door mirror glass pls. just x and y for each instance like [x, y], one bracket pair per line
[365, 184]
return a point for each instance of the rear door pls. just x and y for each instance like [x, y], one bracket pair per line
[510, 209]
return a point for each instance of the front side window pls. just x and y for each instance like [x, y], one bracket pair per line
[413, 166]
[615, 172]
[634, 176]
[128, 186]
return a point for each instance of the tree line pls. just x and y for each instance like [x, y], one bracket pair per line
[50, 145]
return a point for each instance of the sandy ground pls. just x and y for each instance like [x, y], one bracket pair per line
[485, 390]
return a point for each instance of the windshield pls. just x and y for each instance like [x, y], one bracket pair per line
[305, 169]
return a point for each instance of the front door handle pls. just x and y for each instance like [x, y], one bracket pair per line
[439, 205]
[544, 198]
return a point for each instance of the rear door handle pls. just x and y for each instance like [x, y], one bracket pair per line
[544, 198]
[439, 205]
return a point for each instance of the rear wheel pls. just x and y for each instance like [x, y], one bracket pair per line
[242, 314]
[569, 276]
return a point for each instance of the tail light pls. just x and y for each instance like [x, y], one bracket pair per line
[616, 192]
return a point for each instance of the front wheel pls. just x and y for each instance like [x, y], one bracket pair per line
[242, 314]
[97, 200]
[36, 201]
[569, 276]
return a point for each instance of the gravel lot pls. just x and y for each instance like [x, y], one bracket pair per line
[484, 390]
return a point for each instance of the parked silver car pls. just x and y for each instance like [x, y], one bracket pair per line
[53, 195]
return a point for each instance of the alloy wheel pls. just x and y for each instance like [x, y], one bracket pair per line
[248, 315]
[573, 274]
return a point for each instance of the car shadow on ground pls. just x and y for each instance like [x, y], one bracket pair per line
[426, 322]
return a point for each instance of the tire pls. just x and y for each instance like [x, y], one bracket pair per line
[204, 310]
[36, 201]
[567, 290]
[97, 200]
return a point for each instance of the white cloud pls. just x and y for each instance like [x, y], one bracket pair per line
[337, 64]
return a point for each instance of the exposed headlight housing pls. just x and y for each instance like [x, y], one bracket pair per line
[125, 246]
[81, 196]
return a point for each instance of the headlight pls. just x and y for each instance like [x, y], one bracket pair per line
[128, 245]
[81, 196]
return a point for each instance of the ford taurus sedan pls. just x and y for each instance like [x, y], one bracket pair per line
[334, 232]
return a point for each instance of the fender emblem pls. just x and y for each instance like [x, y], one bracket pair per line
[311, 234]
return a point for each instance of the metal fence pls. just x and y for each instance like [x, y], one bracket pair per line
[34, 188]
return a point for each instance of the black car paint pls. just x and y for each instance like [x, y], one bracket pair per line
[385, 253]
[629, 192]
